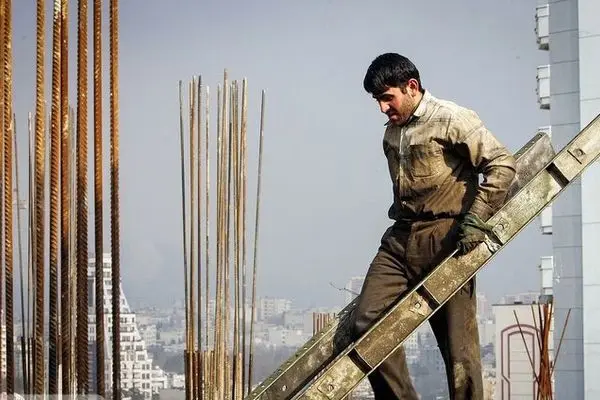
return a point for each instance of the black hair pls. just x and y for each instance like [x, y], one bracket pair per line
[390, 70]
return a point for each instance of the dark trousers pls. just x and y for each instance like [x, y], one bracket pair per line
[407, 252]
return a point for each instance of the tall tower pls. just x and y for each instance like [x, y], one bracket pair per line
[137, 371]
[569, 88]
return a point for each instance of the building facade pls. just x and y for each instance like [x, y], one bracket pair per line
[569, 88]
[137, 369]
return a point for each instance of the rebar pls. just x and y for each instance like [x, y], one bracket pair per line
[98, 204]
[38, 264]
[200, 377]
[67, 284]
[30, 252]
[24, 324]
[54, 187]
[256, 234]
[114, 174]
[3, 42]
[81, 193]
[192, 181]
[8, 198]
[243, 139]
[185, 253]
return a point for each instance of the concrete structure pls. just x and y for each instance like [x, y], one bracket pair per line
[137, 370]
[569, 88]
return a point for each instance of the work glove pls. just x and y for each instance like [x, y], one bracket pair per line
[471, 232]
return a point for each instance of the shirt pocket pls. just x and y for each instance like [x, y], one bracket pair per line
[425, 160]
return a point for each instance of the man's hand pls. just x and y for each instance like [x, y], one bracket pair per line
[471, 231]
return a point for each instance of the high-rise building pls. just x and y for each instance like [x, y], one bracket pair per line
[569, 88]
[137, 369]
[3, 362]
[353, 288]
[272, 307]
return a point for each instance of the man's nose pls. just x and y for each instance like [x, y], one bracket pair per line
[384, 107]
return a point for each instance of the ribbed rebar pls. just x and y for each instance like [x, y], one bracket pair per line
[98, 204]
[2, 280]
[40, 144]
[66, 283]
[54, 188]
[8, 200]
[82, 128]
[114, 174]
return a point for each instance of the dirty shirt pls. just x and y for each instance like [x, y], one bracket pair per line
[435, 160]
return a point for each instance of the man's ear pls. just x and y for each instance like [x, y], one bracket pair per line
[413, 86]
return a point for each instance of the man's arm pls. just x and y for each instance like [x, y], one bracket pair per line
[488, 156]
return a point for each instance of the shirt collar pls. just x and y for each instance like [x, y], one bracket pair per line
[420, 110]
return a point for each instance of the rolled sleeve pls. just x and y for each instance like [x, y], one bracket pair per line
[488, 156]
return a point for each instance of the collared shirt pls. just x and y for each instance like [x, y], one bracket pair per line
[435, 160]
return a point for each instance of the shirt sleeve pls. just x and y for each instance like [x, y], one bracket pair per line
[473, 141]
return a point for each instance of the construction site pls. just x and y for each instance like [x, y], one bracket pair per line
[175, 176]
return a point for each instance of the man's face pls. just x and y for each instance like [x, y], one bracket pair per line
[398, 104]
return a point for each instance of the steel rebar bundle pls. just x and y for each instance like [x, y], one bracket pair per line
[221, 368]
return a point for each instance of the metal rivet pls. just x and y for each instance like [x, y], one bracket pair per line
[578, 152]
[284, 388]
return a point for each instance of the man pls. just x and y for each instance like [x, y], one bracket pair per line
[435, 151]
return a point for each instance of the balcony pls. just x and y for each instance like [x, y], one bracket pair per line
[542, 26]
[546, 215]
[543, 86]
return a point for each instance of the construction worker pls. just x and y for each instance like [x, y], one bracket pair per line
[436, 151]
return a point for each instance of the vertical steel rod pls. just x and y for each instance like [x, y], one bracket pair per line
[8, 199]
[114, 170]
[256, 232]
[66, 283]
[185, 253]
[98, 203]
[40, 161]
[54, 187]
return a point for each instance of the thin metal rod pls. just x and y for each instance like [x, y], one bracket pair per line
[207, 210]
[243, 133]
[200, 376]
[98, 203]
[30, 253]
[193, 245]
[54, 188]
[66, 283]
[184, 231]
[114, 175]
[256, 232]
[40, 161]
[21, 265]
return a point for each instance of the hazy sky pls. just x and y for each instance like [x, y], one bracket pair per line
[326, 188]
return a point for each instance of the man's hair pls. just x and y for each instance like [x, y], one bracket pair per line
[390, 70]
